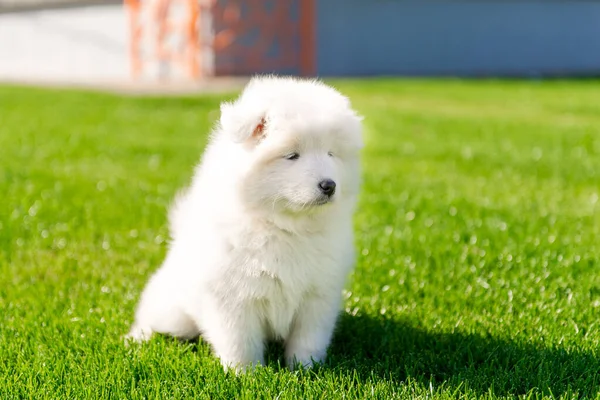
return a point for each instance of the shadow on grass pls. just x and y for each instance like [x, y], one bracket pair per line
[380, 348]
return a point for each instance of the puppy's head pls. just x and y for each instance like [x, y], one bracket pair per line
[300, 141]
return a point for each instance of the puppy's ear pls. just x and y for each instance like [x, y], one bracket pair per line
[259, 133]
[243, 125]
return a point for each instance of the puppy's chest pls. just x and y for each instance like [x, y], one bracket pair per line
[281, 269]
[277, 269]
[274, 276]
[282, 277]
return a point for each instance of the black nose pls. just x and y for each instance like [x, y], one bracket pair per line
[327, 186]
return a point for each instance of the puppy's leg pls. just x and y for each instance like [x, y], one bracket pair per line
[237, 337]
[159, 312]
[312, 330]
[165, 320]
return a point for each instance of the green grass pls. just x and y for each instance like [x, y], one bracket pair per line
[478, 238]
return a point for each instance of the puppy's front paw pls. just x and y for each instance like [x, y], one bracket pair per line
[239, 368]
[138, 335]
[304, 358]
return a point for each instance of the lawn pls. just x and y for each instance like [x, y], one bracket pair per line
[478, 236]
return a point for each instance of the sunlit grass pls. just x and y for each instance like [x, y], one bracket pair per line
[477, 232]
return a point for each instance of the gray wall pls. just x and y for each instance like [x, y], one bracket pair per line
[486, 37]
[86, 44]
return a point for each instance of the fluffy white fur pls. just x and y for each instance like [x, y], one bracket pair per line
[258, 251]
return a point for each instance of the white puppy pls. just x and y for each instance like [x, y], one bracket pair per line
[262, 241]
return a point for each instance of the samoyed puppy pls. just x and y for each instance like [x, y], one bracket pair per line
[262, 240]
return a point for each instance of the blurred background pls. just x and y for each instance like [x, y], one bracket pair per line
[140, 42]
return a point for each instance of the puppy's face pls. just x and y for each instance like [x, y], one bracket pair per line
[301, 168]
[300, 142]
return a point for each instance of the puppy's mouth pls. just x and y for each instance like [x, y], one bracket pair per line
[322, 200]
[310, 205]
[319, 201]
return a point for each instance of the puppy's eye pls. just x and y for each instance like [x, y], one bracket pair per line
[292, 156]
[330, 154]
